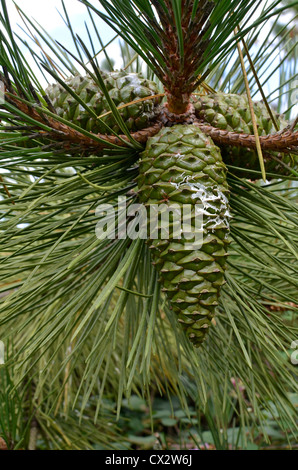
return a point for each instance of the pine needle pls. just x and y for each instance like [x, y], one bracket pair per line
[253, 117]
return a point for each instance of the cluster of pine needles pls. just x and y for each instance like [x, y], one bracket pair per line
[84, 320]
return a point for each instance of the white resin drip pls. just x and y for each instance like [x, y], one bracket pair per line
[134, 80]
[207, 197]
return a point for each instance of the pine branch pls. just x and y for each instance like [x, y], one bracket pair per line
[284, 141]
[63, 280]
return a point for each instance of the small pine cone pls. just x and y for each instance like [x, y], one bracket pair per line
[231, 112]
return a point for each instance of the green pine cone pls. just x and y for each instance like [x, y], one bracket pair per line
[231, 112]
[122, 86]
[181, 165]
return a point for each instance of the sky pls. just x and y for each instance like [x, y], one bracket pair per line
[46, 13]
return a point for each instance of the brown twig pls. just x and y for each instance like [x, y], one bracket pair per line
[294, 124]
[281, 141]
[252, 113]
[252, 67]
[33, 435]
[3, 445]
[6, 189]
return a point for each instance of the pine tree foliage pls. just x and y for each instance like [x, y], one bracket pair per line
[84, 319]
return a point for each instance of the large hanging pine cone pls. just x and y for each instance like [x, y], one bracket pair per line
[181, 165]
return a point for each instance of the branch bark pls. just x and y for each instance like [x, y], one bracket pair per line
[281, 141]
[284, 141]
